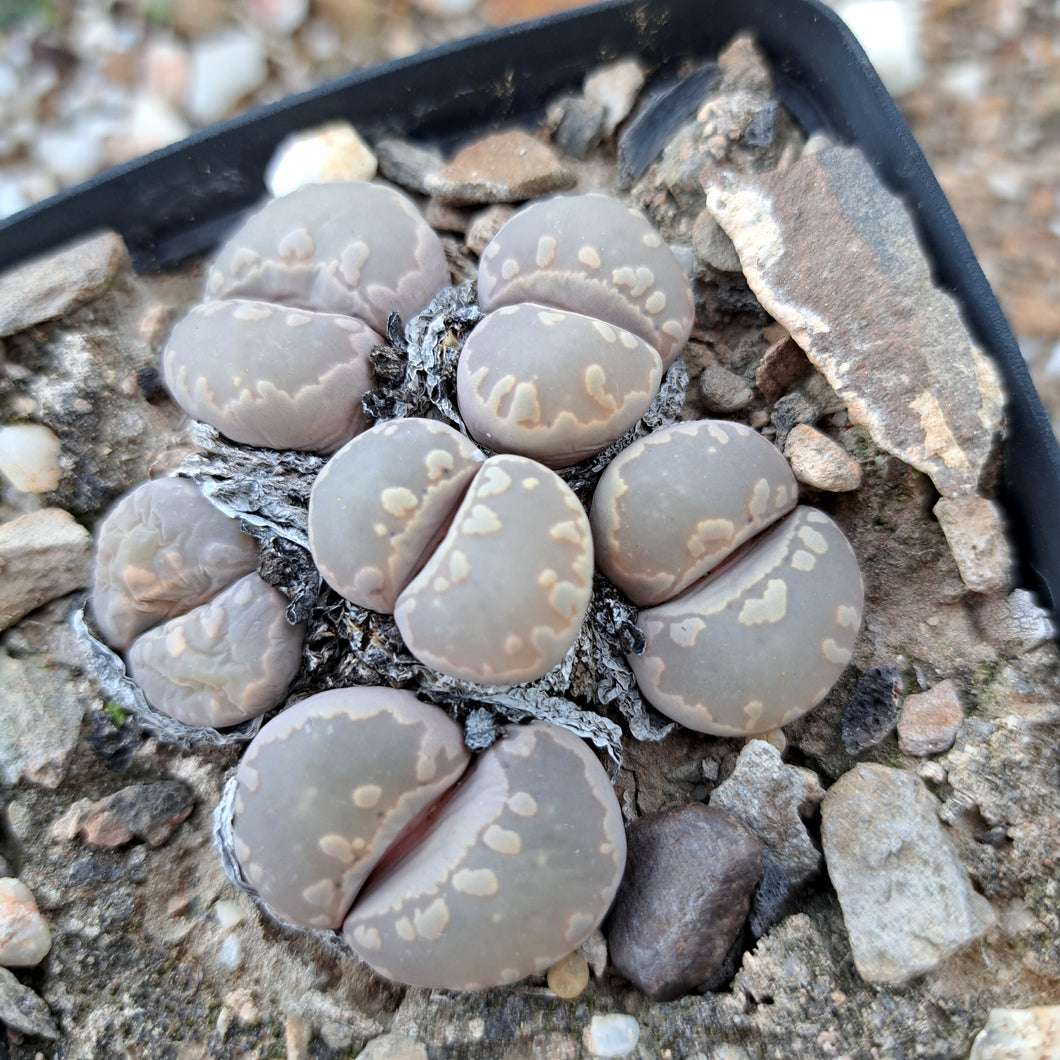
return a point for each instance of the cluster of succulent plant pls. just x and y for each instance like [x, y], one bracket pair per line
[485, 561]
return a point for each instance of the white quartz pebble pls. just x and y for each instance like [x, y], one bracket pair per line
[611, 1035]
[328, 154]
[29, 457]
[24, 934]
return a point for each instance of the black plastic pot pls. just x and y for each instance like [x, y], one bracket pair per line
[180, 200]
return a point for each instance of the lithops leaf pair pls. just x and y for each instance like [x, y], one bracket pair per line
[360, 809]
[486, 564]
[278, 355]
[752, 604]
[174, 589]
[586, 306]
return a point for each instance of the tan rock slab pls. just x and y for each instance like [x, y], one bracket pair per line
[975, 531]
[819, 462]
[929, 721]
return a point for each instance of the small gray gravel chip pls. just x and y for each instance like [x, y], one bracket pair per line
[685, 895]
[223, 662]
[162, 550]
[328, 785]
[762, 642]
[678, 502]
[520, 867]
[591, 254]
[357, 248]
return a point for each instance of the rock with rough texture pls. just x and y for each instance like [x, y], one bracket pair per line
[906, 898]
[684, 897]
[509, 166]
[24, 934]
[770, 799]
[1014, 624]
[1019, 1034]
[29, 457]
[615, 88]
[929, 721]
[867, 313]
[781, 367]
[43, 555]
[819, 462]
[975, 531]
[393, 1047]
[150, 811]
[872, 714]
[50, 286]
[21, 1010]
[723, 392]
[712, 246]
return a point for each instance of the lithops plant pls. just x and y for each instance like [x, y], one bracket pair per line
[441, 872]
[586, 306]
[205, 638]
[486, 564]
[754, 607]
[278, 355]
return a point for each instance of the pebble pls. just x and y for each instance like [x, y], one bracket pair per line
[150, 811]
[167, 69]
[578, 124]
[224, 67]
[52, 285]
[872, 714]
[781, 367]
[23, 1011]
[770, 799]
[683, 899]
[485, 225]
[297, 1033]
[568, 977]
[1014, 624]
[906, 898]
[508, 166]
[890, 35]
[24, 935]
[819, 462]
[43, 555]
[329, 154]
[408, 165]
[723, 392]
[615, 87]
[1019, 1034]
[929, 721]
[712, 246]
[611, 1035]
[29, 457]
[975, 531]
[278, 16]
[393, 1047]
[152, 123]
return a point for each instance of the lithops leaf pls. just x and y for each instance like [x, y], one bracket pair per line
[592, 255]
[359, 249]
[760, 642]
[328, 785]
[502, 597]
[162, 550]
[223, 662]
[676, 503]
[381, 501]
[553, 385]
[520, 867]
[270, 376]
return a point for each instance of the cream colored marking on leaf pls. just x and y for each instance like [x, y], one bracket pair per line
[479, 883]
[255, 876]
[405, 929]
[752, 710]
[546, 251]
[759, 502]
[547, 577]
[368, 938]
[439, 463]
[492, 250]
[707, 534]
[251, 778]
[565, 599]
[606, 332]
[771, 606]
[297, 320]
[803, 561]
[334, 845]
[251, 312]
[510, 268]
[367, 795]
[780, 497]
[357, 844]
[440, 585]
[522, 804]
[674, 328]
[686, 632]
[431, 922]
[531, 483]
[568, 530]
[813, 540]
[655, 303]
[847, 616]
[605, 848]
[717, 433]
[589, 257]
[525, 408]
[459, 567]
[513, 644]
[352, 262]
[550, 317]
[381, 530]
[398, 501]
[650, 240]
[501, 389]
[319, 893]
[176, 645]
[492, 481]
[481, 521]
[834, 653]
[638, 280]
[595, 381]
[426, 766]
[577, 925]
[297, 245]
[502, 840]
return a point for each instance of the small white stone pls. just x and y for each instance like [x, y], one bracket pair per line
[167, 69]
[228, 913]
[888, 30]
[225, 67]
[445, 8]
[330, 154]
[279, 16]
[24, 934]
[1019, 1034]
[231, 953]
[29, 457]
[612, 1035]
[615, 87]
[151, 124]
[819, 462]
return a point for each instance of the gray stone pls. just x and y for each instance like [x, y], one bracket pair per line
[975, 531]
[40, 718]
[393, 1047]
[22, 1010]
[149, 811]
[685, 895]
[50, 286]
[907, 901]
[782, 366]
[929, 721]
[508, 166]
[819, 462]
[770, 799]
[855, 291]
[712, 246]
[43, 555]
[485, 225]
[408, 164]
[723, 392]
[872, 714]
[1019, 1034]
[579, 125]
[615, 87]
[1014, 624]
